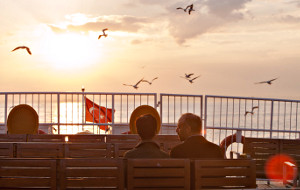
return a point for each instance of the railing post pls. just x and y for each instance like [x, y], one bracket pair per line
[5, 113]
[271, 122]
[58, 113]
[83, 103]
[161, 112]
[113, 114]
[205, 115]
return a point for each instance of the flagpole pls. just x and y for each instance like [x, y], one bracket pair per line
[82, 90]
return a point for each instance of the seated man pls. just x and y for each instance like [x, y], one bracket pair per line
[189, 129]
[146, 127]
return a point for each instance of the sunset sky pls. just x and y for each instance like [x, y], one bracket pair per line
[232, 44]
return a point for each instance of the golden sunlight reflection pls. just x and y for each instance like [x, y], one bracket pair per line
[69, 51]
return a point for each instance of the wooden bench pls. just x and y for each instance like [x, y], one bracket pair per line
[6, 150]
[27, 174]
[119, 149]
[260, 150]
[45, 138]
[222, 174]
[92, 174]
[122, 139]
[13, 137]
[39, 150]
[87, 150]
[158, 174]
[86, 138]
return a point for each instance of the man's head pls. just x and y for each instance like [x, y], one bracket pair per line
[188, 124]
[146, 126]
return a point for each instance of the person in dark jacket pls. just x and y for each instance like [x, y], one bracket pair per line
[194, 145]
[147, 148]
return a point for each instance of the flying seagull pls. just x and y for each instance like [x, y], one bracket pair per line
[23, 47]
[189, 8]
[190, 80]
[252, 112]
[188, 75]
[103, 33]
[135, 86]
[181, 8]
[268, 81]
[151, 80]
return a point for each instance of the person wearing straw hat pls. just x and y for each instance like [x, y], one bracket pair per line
[146, 126]
[194, 145]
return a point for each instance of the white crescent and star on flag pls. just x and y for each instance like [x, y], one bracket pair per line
[93, 109]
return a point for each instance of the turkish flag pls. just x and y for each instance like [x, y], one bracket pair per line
[97, 114]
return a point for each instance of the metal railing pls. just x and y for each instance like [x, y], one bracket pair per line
[172, 106]
[64, 112]
[251, 117]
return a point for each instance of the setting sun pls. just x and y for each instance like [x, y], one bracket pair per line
[69, 51]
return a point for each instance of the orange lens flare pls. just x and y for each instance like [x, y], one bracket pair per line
[274, 167]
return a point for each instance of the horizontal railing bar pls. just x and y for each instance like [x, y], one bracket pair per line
[100, 93]
[187, 95]
[247, 129]
[251, 98]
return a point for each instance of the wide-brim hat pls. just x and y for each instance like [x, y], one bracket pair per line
[143, 110]
[23, 119]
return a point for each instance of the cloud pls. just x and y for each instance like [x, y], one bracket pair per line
[228, 9]
[208, 16]
[296, 2]
[290, 19]
[113, 22]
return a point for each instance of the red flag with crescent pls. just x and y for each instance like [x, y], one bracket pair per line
[97, 114]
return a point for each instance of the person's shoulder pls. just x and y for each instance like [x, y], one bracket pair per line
[130, 154]
[176, 150]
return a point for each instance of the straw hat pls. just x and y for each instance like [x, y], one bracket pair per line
[142, 110]
[23, 119]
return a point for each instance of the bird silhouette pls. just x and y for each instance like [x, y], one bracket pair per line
[151, 80]
[22, 47]
[251, 112]
[181, 8]
[105, 35]
[190, 80]
[189, 8]
[267, 82]
[135, 86]
[188, 75]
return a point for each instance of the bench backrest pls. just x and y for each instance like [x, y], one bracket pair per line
[13, 137]
[45, 138]
[6, 150]
[291, 148]
[158, 174]
[122, 138]
[27, 173]
[219, 174]
[92, 173]
[260, 150]
[119, 149]
[39, 150]
[87, 150]
[86, 138]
